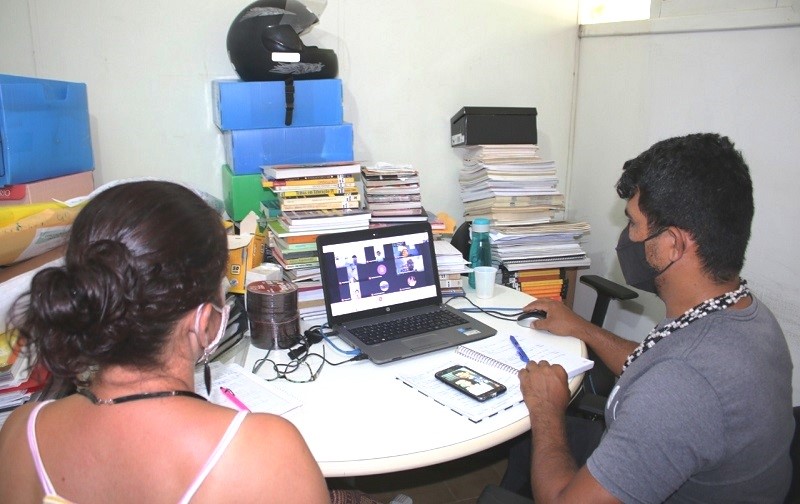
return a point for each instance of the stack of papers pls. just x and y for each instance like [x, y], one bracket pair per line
[451, 265]
[506, 170]
[517, 191]
[449, 259]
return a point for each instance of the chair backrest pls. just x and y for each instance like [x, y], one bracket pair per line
[600, 380]
[794, 453]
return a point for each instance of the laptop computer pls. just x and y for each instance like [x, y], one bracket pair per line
[377, 279]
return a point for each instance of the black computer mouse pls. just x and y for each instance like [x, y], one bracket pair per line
[533, 313]
[527, 318]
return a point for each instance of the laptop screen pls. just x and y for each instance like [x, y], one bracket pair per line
[380, 271]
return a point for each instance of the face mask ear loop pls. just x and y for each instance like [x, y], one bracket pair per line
[206, 367]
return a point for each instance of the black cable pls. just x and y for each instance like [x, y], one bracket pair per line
[492, 313]
[299, 355]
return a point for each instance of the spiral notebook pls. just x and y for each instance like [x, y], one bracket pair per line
[496, 358]
[498, 352]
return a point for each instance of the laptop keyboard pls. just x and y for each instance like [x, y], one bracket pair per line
[408, 326]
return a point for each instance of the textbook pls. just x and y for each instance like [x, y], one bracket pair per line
[319, 170]
[496, 358]
[257, 394]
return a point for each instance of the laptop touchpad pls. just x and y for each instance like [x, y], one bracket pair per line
[423, 342]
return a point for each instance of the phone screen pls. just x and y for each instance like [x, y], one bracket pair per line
[470, 382]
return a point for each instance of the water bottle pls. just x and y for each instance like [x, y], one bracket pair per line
[480, 251]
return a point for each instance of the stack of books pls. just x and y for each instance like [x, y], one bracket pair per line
[310, 199]
[322, 186]
[392, 193]
[541, 284]
[293, 245]
[516, 190]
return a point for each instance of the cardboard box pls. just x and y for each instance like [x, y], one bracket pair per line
[493, 126]
[58, 188]
[243, 193]
[246, 151]
[44, 129]
[245, 252]
[242, 105]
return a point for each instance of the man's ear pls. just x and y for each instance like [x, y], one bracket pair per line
[681, 242]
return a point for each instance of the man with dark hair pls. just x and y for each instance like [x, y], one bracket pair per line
[702, 410]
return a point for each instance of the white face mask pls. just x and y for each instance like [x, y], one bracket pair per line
[223, 324]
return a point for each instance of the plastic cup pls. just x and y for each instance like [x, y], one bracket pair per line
[484, 281]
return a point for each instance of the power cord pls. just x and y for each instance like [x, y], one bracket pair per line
[300, 354]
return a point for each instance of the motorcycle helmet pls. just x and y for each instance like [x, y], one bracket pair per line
[264, 43]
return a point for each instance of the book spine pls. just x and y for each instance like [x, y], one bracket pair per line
[332, 191]
[302, 181]
[450, 283]
[320, 205]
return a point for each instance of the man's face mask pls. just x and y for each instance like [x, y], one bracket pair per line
[633, 261]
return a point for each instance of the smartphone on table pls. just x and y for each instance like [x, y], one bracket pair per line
[470, 382]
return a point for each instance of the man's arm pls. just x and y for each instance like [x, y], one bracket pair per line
[554, 475]
[562, 321]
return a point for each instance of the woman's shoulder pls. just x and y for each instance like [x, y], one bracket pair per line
[15, 427]
[269, 444]
[277, 431]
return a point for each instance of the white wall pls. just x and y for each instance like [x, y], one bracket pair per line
[636, 90]
[406, 67]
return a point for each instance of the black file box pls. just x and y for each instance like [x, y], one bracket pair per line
[493, 125]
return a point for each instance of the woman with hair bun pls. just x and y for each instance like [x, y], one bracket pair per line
[137, 303]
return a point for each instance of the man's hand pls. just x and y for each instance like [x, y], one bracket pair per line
[560, 319]
[544, 388]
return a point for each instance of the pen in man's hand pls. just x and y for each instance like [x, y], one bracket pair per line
[228, 393]
[520, 351]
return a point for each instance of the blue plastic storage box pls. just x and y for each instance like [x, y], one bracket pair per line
[44, 129]
[246, 151]
[242, 105]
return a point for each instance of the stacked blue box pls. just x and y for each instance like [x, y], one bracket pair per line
[255, 105]
[246, 151]
[252, 117]
[44, 129]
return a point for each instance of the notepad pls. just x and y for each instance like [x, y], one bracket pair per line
[498, 352]
[496, 358]
[259, 395]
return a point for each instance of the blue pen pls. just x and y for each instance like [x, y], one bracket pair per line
[520, 351]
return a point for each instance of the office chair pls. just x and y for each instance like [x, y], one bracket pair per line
[794, 453]
[598, 381]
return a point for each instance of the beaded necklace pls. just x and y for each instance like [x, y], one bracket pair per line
[711, 305]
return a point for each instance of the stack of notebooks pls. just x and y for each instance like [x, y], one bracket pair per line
[392, 193]
[451, 266]
[516, 190]
[311, 199]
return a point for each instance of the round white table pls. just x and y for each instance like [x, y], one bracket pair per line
[359, 419]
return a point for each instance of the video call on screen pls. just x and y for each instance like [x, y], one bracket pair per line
[380, 267]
